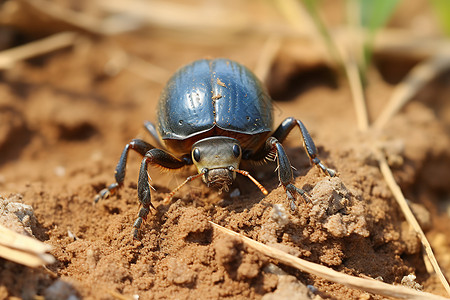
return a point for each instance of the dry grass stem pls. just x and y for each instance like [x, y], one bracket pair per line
[267, 57]
[54, 42]
[176, 16]
[419, 76]
[368, 285]
[121, 60]
[357, 90]
[348, 57]
[23, 249]
[302, 23]
[407, 44]
[147, 70]
[100, 26]
[389, 178]
[299, 19]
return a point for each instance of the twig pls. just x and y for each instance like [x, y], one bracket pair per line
[389, 178]
[368, 285]
[416, 79]
[23, 249]
[54, 42]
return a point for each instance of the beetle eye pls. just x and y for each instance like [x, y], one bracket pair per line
[196, 154]
[236, 150]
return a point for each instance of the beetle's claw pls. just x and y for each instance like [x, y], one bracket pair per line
[292, 191]
[137, 224]
[293, 205]
[106, 192]
[136, 234]
[142, 216]
[327, 171]
[331, 172]
[103, 194]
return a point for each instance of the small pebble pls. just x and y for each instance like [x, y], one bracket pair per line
[279, 215]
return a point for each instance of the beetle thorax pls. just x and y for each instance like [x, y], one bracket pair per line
[216, 157]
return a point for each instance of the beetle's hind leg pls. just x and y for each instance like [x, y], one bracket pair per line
[150, 127]
[285, 128]
[137, 145]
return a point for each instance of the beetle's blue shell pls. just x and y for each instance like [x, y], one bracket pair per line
[213, 94]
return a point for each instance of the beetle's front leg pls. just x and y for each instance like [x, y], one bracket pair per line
[285, 174]
[285, 128]
[153, 157]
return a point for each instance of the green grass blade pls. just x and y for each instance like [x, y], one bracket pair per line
[442, 9]
[312, 6]
[375, 13]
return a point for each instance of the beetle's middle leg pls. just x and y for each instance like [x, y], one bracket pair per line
[137, 145]
[160, 158]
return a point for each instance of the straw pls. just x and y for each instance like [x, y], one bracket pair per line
[368, 285]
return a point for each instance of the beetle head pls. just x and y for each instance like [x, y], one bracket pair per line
[217, 157]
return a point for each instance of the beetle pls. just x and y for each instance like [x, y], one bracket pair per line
[213, 113]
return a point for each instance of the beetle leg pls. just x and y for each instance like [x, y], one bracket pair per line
[285, 174]
[285, 128]
[163, 159]
[137, 145]
[154, 133]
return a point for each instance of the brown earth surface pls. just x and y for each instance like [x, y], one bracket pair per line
[65, 118]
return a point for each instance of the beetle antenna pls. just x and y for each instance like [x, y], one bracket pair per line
[190, 178]
[259, 185]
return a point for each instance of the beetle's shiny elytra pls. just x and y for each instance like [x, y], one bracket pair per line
[210, 98]
[213, 114]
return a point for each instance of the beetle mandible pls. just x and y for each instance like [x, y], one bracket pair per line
[213, 114]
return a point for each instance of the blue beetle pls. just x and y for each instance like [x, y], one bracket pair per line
[213, 114]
